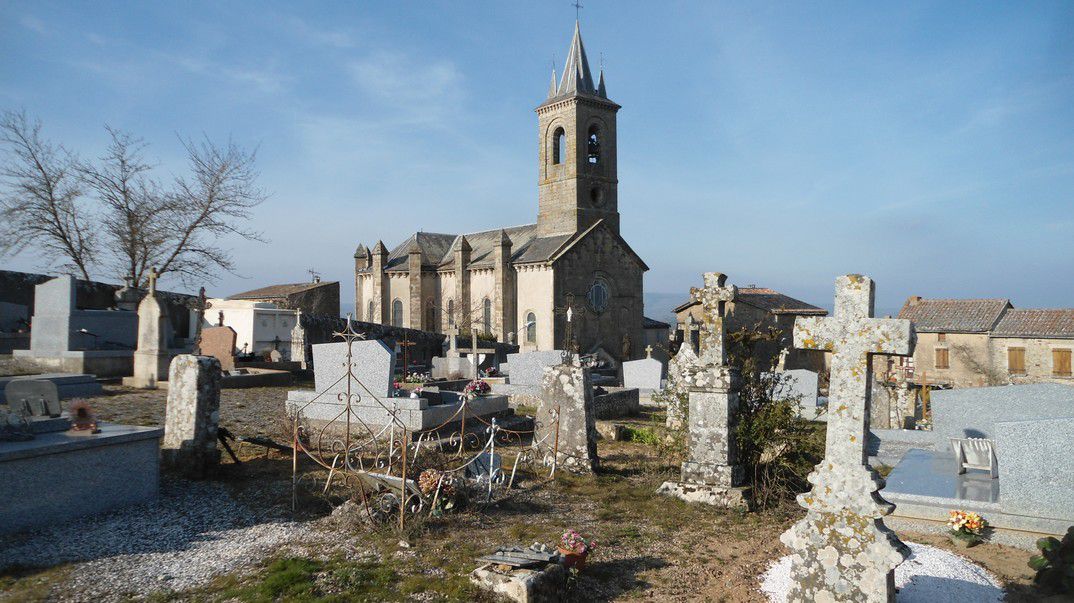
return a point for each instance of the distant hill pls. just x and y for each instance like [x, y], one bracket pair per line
[661, 306]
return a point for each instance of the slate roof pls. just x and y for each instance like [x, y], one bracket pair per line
[769, 300]
[280, 291]
[954, 315]
[652, 323]
[1036, 323]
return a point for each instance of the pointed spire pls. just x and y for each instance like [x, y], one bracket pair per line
[380, 249]
[503, 239]
[601, 91]
[361, 252]
[577, 79]
[552, 86]
[461, 244]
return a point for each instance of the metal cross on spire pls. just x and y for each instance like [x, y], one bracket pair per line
[577, 10]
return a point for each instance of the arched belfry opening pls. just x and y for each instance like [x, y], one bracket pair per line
[559, 146]
[593, 145]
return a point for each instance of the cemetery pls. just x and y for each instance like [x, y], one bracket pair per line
[482, 413]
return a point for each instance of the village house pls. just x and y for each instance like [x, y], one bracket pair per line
[757, 309]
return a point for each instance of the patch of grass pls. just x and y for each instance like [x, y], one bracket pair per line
[642, 435]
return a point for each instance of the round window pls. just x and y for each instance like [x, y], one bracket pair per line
[598, 296]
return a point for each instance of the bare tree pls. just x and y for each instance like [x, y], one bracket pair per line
[220, 194]
[991, 374]
[41, 206]
[133, 209]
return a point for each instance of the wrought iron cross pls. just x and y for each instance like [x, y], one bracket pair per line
[713, 298]
[577, 10]
[569, 311]
[200, 306]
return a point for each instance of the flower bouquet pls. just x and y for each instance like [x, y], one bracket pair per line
[476, 388]
[575, 549]
[966, 528]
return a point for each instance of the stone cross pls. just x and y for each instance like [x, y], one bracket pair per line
[453, 341]
[648, 351]
[153, 276]
[841, 549]
[200, 306]
[713, 298]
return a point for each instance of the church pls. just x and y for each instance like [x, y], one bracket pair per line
[515, 284]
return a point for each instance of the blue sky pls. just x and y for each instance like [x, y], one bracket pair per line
[928, 145]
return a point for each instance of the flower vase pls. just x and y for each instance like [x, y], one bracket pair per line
[573, 559]
[964, 542]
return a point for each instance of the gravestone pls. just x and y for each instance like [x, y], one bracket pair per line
[645, 374]
[565, 427]
[680, 379]
[151, 357]
[484, 465]
[841, 550]
[192, 415]
[711, 473]
[298, 342]
[33, 398]
[275, 356]
[372, 365]
[219, 342]
[803, 384]
[527, 368]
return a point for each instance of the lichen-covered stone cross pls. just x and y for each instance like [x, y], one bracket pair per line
[841, 550]
[713, 298]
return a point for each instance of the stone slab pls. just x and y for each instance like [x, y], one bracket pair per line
[645, 374]
[1037, 467]
[973, 412]
[803, 384]
[219, 342]
[717, 496]
[68, 385]
[46, 478]
[527, 368]
[546, 584]
[372, 364]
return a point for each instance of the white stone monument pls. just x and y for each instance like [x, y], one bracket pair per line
[193, 415]
[151, 358]
[841, 550]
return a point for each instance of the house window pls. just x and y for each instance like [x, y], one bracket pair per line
[531, 330]
[942, 358]
[397, 313]
[941, 337]
[1061, 363]
[369, 313]
[559, 146]
[451, 311]
[486, 318]
[1016, 360]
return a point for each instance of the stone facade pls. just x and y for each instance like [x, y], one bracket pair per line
[514, 283]
[192, 416]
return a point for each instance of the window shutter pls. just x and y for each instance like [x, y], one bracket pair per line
[1061, 363]
[1016, 360]
[943, 360]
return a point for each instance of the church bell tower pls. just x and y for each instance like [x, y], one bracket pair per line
[577, 181]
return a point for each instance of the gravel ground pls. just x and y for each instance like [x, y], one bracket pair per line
[930, 575]
[193, 532]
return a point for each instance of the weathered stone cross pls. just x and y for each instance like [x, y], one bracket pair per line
[713, 298]
[453, 338]
[153, 276]
[841, 549]
[648, 351]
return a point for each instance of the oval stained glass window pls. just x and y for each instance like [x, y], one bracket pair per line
[598, 296]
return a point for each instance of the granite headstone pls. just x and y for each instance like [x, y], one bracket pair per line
[644, 374]
[527, 368]
[372, 366]
[219, 342]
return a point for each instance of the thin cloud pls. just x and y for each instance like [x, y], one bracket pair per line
[34, 24]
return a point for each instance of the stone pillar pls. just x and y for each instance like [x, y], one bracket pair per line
[151, 358]
[417, 316]
[711, 473]
[681, 370]
[362, 262]
[841, 550]
[503, 309]
[463, 309]
[298, 342]
[380, 258]
[193, 414]
[566, 428]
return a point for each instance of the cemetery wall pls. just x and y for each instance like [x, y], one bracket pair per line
[1038, 358]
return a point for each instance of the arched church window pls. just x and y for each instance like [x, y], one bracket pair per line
[598, 296]
[451, 312]
[593, 145]
[531, 328]
[596, 196]
[397, 313]
[559, 146]
[430, 319]
[486, 318]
